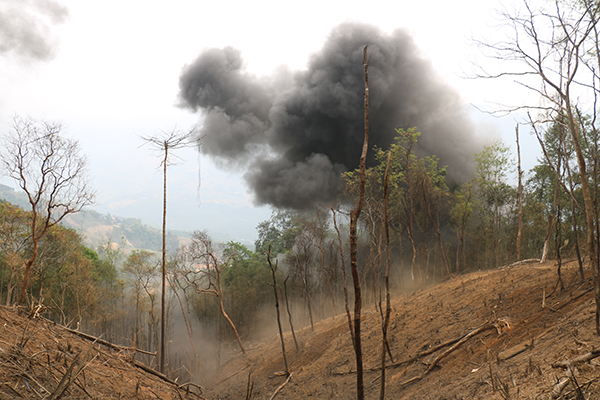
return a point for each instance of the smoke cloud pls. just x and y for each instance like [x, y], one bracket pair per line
[25, 27]
[295, 132]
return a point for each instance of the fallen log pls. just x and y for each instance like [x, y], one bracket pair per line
[578, 360]
[570, 300]
[105, 343]
[527, 261]
[515, 350]
[450, 350]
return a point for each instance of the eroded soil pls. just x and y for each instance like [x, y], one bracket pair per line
[510, 360]
[524, 327]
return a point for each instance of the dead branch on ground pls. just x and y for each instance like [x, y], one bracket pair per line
[578, 360]
[276, 392]
[69, 377]
[107, 344]
[459, 343]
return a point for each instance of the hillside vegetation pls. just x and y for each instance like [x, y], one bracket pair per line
[128, 233]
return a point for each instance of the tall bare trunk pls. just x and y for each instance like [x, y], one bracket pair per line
[354, 216]
[589, 209]
[164, 268]
[273, 270]
[386, 318]
[519, 195]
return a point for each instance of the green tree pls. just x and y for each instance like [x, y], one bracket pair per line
[493, 165]
[278, 232]
[14, 234]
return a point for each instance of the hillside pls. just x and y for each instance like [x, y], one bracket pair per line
[97, 228]
[511, 357]
[489, 335]
[42, 360]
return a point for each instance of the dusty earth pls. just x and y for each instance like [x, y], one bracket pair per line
[42, 360]
[484, 335]
[509, 357]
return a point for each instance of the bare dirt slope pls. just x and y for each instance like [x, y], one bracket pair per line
[510, 357]
[41, 360]
[500, 343]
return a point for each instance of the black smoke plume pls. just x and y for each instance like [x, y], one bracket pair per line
[296, 132]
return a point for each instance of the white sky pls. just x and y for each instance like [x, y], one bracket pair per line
[115, 77]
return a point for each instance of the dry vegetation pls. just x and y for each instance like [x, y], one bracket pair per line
[512, 356]
[511, 360]
[42, 360]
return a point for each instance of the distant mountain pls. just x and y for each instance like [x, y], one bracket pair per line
[100, 229]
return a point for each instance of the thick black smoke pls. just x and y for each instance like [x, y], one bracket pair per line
[25, 27]
[296, 133]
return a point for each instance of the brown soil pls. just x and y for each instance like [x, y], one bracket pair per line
[35, 354]
[484, 366]
[41, 360]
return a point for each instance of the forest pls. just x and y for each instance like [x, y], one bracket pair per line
[416, 227]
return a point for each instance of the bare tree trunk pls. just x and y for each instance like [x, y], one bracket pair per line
[354, 215]
[346, 299]
[164, 263]
[273, 269]
[386, 319]
[519, 195]
[230, 322]
[287, 306]
[589, 208]
[547, 239]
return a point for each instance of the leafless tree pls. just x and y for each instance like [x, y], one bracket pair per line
[165, 142]
[203, 270]
[53, 174]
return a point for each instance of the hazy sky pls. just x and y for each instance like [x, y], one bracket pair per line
[109, 70]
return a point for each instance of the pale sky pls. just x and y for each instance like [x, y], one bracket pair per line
[114, 76]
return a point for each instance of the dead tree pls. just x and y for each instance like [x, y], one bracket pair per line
[519, 196]
[165, 142]
[52, 173]
[273, 273]
[203, 271]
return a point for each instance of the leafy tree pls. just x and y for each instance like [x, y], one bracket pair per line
[493, 164]
[14, 234]
[278, 232]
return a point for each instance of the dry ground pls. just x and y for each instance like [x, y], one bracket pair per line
[510, 360]
[487, 365]
[41, 360]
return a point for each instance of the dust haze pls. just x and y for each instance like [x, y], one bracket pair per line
[295, 132]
